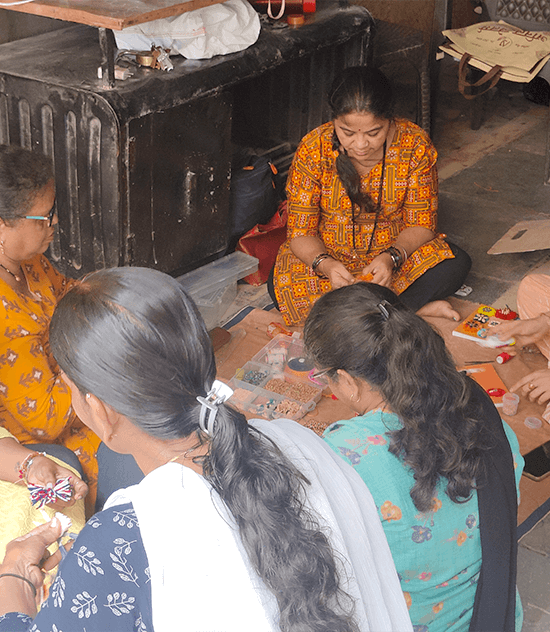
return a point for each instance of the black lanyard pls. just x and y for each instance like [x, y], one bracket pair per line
[378, 206]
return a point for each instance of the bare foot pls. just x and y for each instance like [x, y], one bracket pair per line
[439, 309]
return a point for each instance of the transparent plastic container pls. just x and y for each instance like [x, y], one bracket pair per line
[218, 274]
[286, 354]
[271, 363]
[213, 287]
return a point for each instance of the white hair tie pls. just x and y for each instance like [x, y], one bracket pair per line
[217, 395]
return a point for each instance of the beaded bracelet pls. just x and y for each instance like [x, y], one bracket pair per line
[26, 464]
[22, 578]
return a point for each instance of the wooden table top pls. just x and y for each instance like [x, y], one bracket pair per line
[111, 14]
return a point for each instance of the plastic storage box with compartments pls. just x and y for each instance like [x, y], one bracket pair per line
[275, 383]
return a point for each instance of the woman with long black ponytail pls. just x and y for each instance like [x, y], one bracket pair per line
[236, 527]
[362, 204]
[442, 466]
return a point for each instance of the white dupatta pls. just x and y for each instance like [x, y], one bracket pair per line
[202, 580]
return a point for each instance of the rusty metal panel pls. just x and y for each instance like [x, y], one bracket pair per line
[289, 101]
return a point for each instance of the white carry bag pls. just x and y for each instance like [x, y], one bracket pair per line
[500, 49]
[217, 29]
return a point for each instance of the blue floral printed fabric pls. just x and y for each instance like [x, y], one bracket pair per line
[103, 583]
[437, 554]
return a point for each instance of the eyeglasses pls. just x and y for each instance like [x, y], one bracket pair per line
[44, 218]
[320, 377]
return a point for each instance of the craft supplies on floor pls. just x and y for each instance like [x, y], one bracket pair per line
[533, 422]
[486, 376]
[510, 403]
[477, 327]
[276, 380]
[504, 357]
[213, 286]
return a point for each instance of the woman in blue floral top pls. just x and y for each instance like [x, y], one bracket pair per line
[441, 465]
[237, 527]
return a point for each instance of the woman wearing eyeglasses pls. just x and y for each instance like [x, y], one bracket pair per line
[442, 466]
[35, 405]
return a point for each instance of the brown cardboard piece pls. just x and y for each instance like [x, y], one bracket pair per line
[524, 236]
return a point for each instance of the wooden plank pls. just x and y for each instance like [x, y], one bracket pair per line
[106, 13]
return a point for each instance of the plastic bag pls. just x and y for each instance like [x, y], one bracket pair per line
[218, 29]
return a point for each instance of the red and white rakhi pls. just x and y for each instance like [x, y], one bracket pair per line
[41, 496]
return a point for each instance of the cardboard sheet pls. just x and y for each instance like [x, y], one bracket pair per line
[524, 237]
[249, 336]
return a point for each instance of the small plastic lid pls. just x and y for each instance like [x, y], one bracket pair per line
[295, 20]
[309, 6]
[533, 422]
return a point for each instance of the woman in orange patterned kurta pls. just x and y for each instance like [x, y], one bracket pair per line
[35, 404]
[387, 234]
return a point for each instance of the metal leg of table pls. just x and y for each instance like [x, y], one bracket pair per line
[108, 47]
[425, 95]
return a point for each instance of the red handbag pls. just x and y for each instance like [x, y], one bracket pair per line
[263, 242]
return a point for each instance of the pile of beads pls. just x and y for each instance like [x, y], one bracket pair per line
[288, 407]
[266, 407]
[299, 391]
[254, 377]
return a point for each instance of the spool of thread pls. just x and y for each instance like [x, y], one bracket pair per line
[504, 357]
[299, 365]
[296, 20]
[297, 369]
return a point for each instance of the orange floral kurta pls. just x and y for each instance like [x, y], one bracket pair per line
[319, 206]
[35, 403]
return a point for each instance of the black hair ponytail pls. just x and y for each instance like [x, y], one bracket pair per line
[351, 180]
[133, 338]
[264, 493]
[406, 360]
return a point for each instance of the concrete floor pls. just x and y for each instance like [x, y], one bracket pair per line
[489, 180]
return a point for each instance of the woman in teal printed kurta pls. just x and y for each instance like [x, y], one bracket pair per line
[425, 437]
[437, 553]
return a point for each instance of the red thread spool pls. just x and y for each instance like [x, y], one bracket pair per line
[504, 357]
